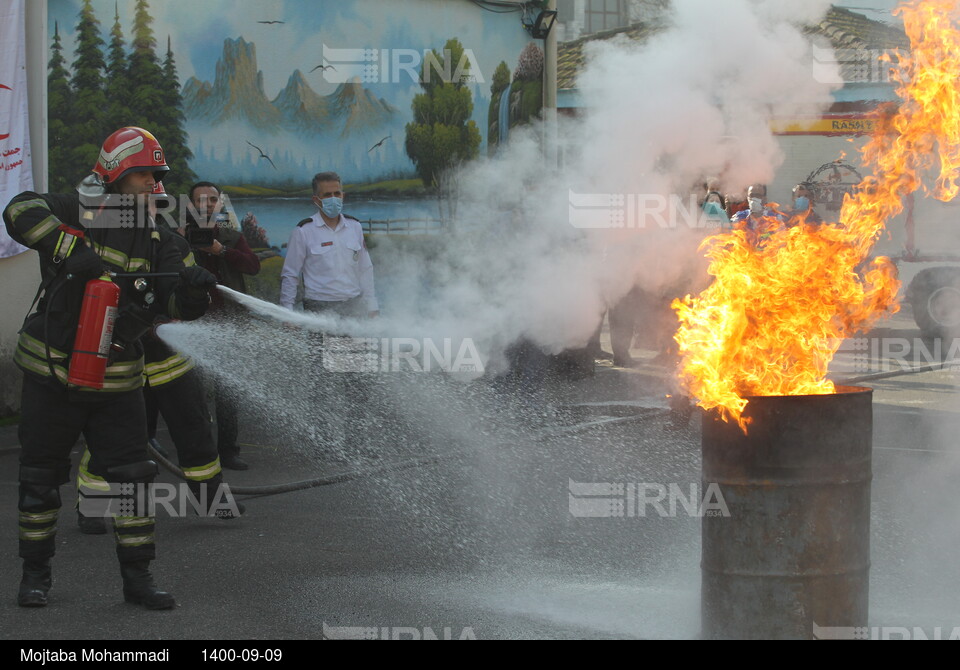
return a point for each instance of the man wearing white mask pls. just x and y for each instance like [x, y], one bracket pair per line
[327, 250]
[759, 220]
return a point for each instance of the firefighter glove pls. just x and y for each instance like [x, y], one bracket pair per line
[132, 322]
[83, 263]
[195, 282]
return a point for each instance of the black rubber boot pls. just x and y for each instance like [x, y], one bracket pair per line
[91, 525]
[139, 589]
[35, 583]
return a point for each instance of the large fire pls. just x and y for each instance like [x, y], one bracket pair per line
[783, 298]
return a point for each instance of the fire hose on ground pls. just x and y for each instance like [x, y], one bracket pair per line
[287, 487]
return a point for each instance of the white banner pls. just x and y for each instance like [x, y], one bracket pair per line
[15, 171]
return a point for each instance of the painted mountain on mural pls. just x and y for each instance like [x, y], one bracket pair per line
[232, 121]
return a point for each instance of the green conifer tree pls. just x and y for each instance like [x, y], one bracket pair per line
[171, 121]
[145, 76]
[117, 85]
[88, 110]
[60, 100]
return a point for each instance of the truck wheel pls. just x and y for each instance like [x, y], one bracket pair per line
[934, 296]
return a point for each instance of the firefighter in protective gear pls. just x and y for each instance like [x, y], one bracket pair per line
[175, 389]
[105, 226]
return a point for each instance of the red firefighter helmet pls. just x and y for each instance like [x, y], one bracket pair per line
[130, 149]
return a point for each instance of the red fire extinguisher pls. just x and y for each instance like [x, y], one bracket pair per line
[91, 348]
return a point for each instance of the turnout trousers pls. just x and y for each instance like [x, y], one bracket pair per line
[114, 428]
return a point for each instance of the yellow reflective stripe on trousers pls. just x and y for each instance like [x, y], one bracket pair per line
[133, 521]
[39, 517]
[27, 534]
[134, 540]
[88, 480]
[202, 472]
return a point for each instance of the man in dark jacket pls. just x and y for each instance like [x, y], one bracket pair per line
[229, 258]
[79, 237]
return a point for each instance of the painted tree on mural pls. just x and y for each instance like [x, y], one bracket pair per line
[441, 134]
[145, 74]
[118, 89]
[174, 136]
[88, 113]
[60, 99]
[125, 90]
[156, 100]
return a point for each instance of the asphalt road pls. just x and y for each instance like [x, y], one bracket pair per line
[481, 541]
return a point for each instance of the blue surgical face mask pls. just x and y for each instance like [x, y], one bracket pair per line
[801, 203]
[714, 210]
[331, 207]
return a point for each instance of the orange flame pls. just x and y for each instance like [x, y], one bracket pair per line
[784, 295]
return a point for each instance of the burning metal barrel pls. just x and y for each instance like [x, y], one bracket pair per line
[793, 554]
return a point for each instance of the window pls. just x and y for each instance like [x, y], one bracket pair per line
[604, 14]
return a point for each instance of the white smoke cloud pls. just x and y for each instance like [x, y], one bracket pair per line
[693, 101]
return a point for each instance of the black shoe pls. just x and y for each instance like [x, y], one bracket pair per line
[159, 448]
[139, 589]
[35, 584]
[233, 462]
[624, 361]
[91, 525]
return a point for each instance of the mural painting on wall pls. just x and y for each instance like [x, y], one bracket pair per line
[261, 95]
[515, 100]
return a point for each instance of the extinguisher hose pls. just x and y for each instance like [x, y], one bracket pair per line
[46, 332]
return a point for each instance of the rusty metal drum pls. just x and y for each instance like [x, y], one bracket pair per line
[786, 544]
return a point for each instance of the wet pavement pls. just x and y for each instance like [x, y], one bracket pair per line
[453, 524]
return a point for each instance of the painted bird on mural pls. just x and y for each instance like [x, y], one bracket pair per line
[271, 22]
[263, 155]
[323, 67]
[379, 143]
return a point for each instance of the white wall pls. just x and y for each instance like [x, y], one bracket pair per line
[19, 277]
